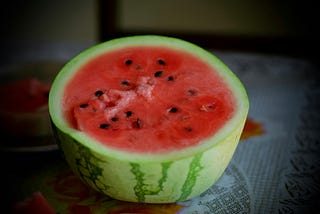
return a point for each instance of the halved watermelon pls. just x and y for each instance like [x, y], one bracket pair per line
[148, 118]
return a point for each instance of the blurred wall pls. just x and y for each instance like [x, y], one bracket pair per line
[229, 17]
[77, 20]
[47, 21]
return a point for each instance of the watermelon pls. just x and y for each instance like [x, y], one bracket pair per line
[36, 204]
[24, 108]
[147, 118]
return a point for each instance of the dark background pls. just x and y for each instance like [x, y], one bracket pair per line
[281, 27]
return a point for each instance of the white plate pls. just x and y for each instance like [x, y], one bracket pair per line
[44, 71]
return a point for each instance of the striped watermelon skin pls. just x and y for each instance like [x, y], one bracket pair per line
[149, 182]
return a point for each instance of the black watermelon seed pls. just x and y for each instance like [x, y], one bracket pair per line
[104, 126]
[187, 129]
[158, 73]
[192, 92]
[170, 78]
[85, 105]
[161, 62]
[128, 62]
[98, 93]
[114, 119]
[125, 83]
[129, 113]
[212, 107]
[173, 110]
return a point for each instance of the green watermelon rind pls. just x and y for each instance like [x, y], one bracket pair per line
[153, 182]
[67, 72]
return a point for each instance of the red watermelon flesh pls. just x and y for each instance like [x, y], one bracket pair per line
[36, 204]
[169, 97]
[24, 108]
[25, 95]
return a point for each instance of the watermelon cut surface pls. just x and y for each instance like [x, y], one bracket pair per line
[24, 108]
[148, 118]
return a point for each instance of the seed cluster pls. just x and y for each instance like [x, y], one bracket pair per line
[157, 73]
[136, 122]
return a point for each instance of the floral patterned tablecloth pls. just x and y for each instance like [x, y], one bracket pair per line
[275, 168]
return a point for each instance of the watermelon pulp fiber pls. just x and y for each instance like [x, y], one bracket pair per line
[147, 118]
